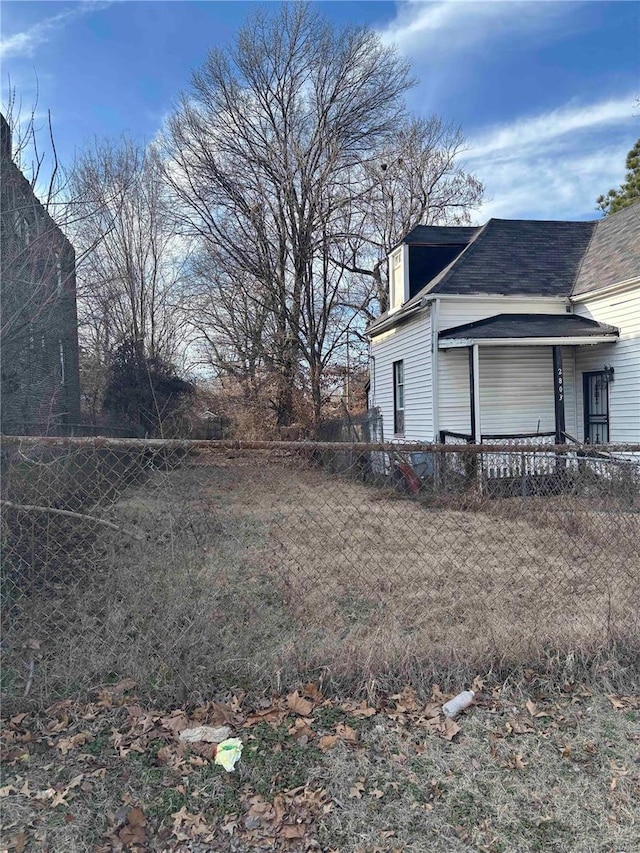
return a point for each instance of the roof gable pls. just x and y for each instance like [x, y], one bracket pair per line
[613, 254]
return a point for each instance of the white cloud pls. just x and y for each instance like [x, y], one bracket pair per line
[24, 44]
[537, 132]
[554, 165]
[429, 29]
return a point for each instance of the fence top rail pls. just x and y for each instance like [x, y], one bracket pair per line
[300, 446]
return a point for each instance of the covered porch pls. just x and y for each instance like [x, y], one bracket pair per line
[511, 379]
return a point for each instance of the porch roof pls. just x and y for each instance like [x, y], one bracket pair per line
[529, 330]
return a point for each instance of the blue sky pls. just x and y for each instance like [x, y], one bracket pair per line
[547, 93]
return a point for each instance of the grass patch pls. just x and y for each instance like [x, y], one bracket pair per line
[531, 769]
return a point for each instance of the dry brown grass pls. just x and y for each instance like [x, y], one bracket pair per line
[258, 570]
[383, 576]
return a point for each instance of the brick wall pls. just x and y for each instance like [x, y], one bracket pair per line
[39, 347]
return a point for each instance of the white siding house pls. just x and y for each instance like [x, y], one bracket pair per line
[410, 344]
[620, 308]
[517, 328]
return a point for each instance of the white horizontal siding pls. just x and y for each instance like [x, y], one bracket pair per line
[622, 311]
[410, 342]
[516, 390]
[455, 312]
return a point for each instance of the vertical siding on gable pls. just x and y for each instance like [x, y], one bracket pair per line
[622, 311]
[410, 342]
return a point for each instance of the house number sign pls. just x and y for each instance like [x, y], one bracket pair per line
[560, 384]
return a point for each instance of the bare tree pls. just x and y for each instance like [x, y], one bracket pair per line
[130, 286]
[265, 141]
[417, 179]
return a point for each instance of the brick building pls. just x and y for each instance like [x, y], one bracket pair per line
[40, 390]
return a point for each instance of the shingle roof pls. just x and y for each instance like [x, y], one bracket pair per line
[613, 254]
[438, 235]
[529, 326]
[522, 257]
[518, 257]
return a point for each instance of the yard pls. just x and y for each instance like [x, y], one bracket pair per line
[260, 591]
[258, 570]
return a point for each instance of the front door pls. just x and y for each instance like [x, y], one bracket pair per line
[596, 407]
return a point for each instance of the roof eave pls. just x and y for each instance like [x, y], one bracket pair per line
[552, 340]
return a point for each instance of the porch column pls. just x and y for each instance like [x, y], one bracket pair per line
[558, 390]
[474, 393]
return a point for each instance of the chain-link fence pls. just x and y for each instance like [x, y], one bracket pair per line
[191, 566]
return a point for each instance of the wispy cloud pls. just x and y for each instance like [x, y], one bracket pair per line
[533, 133]
[24, 44]
[553, 165]
[447, 26]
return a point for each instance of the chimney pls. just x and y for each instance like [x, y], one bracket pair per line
[5, 139]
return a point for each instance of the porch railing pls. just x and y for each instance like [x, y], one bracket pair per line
[511, 464]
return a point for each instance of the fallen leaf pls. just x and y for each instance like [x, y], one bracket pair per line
[518, 761]
[133, 832]
[292, 832]
[619, 703]
[298, 705]
[346, 733]
[519, 726]
[47, 794]
[136, 817]
[300, 730]
[478, 684]
[65, 745]
[531, 707]
[312, 691]
[566, 751]
[176, 722]
[18, 842]
[123, 686]
[327, 742]
[450, 730]
[360, 709]
[230, 826]
[356, 791]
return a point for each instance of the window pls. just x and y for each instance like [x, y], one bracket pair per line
[398, 397]
[397, 283]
